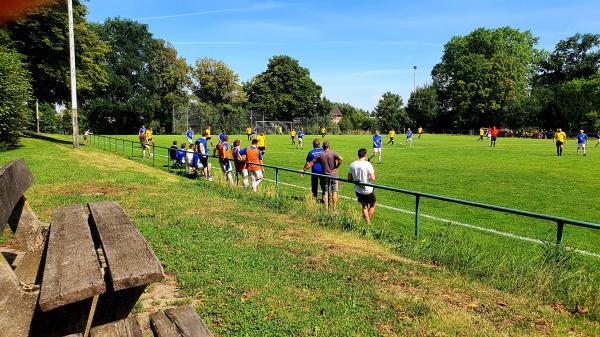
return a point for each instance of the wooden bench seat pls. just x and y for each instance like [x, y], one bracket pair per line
[182, 321]
[128, 327]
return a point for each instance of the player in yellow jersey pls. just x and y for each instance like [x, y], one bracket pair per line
[561, 138]
[420, 132]
[262, 142]
[391, 135]
[481, 134]
[249, 132]
[323, 132]
[293, 135]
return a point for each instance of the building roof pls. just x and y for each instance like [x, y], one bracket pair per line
[335, 111]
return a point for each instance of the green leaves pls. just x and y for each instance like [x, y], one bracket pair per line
[15, 94]
[390, 112]
[215, 83]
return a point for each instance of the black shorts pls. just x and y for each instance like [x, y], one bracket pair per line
[262, 148]
[366, 198]
[203, 160]
[493, 138]
[559, 143]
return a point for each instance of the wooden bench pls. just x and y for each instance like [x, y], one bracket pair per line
[94, 267]
[178, 322]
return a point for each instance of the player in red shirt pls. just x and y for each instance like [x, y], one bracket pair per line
[494, 134]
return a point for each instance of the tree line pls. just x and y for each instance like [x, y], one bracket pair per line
[126, 77]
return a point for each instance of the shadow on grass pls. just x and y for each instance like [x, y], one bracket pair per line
[47, 138]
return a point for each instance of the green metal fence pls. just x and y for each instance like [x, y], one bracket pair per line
[112, 143]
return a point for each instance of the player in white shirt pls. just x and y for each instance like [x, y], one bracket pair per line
[361, 171]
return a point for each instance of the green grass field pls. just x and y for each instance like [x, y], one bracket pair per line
[519, 173]
[269, 265]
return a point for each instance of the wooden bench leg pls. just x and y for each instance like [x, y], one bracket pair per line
[16, 303]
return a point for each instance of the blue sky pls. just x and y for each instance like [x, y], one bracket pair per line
[356, 50]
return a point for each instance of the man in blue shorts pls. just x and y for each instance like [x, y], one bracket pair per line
[316, 168]
[409, 135]
[377, 146]
[189, 134]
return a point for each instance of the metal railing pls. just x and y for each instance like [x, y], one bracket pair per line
[107, 142]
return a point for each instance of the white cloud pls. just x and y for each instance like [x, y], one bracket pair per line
[254, 8]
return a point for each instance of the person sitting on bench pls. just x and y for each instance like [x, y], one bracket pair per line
[173, 153]
[180, 156]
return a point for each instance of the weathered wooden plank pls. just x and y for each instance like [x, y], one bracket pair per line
[72, 270]
[128, 327]
[74, 335]
[162, 325]
[188, 322]
[15, 179]
[131, 262]
[17, 305]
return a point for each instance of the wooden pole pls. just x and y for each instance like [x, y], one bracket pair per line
[74, 119]
[37, 117]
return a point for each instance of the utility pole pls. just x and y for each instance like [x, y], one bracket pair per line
[414, 78]
[37, 117]
[173, 125]
[73, 77]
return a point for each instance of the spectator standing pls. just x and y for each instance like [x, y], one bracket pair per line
[361, 171]
[330, 162]
[316, 168]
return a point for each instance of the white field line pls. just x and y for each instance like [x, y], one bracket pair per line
[482, 229]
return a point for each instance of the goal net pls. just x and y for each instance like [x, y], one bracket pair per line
[273, 127]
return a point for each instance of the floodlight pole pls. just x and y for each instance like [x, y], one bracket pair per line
[414, 78]
[73, 77]
[37, 117]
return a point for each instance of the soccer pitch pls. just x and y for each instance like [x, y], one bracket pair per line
[524, 174]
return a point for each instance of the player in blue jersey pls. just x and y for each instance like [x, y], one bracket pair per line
[202, 149]
[409, 135]
[189, 134]
[316, 168]
[300, 136]
[377, 146]
[253, 135]
[142, 134]
[222, 135]
[598, 138]
[581, 141]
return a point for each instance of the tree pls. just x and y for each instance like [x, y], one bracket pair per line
[352, 118]
[15, 94]
[390, 112]
[575, 57]
[284, 91]
[215, 83]
[483, 75]
[423, 106]
[42, 36]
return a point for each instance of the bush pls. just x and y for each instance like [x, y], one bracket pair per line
[15, 93]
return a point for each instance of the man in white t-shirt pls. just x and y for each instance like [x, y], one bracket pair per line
[361, 171]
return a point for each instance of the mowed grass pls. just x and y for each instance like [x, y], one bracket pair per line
[260, 266]
[524, 174]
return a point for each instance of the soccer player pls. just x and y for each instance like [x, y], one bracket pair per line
[240, 165]
[330, 162]
[494, 134]
[262, 143]
[420, 132]
[142, 131]
[581, 141]
[391, 135]
[598, 138]
[481, 134]
[224, 158]
[180, 155]
[293, 135]
[253, 134]
[316, 168]
[300, 136]
[323, 132]
[409, 135]
[222, 135]
[208, 137]
[189, 134]
[145, 146]
[377, 146]
[561, 138]
[253, 157]
[361, 171]
[202, 148]
[249, 132]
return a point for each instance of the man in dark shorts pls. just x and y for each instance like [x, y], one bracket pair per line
[330, 162]
[361, 171]
[316, 168]
[202, 148]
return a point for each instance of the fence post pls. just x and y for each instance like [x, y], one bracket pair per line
[559, 232]
[417, 217]
[123, 147]
[132, 156]
[168, 160]
[152, 154]
[277, 180]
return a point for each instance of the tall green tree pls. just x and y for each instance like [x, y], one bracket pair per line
[284, 91]
[484, 74]
[424, 107]
[15, 94]
[390, 113]
[215, 83]
[42, 36]
[575, 57]
[353, 118]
